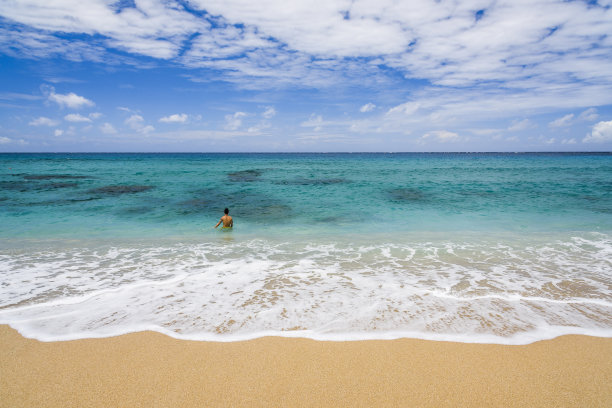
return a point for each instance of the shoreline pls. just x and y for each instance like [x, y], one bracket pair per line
[152, 369]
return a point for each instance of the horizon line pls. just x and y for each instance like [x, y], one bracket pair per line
[328, 152]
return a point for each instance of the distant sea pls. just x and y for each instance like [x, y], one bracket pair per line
[484, 247]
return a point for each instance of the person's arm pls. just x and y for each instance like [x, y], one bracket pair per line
[220, 221]
[232, 223]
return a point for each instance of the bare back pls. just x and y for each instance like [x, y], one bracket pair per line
[228, 222]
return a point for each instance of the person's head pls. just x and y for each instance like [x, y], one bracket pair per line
[226, 211]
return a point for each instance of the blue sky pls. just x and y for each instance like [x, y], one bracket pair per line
[271, 75]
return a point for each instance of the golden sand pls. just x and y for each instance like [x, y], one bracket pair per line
[152, 370]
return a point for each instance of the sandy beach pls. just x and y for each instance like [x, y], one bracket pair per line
[152, 370]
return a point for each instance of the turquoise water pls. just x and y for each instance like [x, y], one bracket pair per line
[505, 248]
[62, 195]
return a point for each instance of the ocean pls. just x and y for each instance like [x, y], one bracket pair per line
[472, 247]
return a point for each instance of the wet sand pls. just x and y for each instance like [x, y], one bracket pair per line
[152, 370]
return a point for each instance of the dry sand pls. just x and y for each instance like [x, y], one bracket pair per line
[152, 370]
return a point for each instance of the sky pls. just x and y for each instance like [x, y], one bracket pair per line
[305, 76]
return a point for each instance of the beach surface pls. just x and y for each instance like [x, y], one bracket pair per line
[148, 369]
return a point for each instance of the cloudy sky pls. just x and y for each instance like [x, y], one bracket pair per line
[316, 75]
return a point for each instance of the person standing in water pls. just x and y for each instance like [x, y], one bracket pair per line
[227, 221]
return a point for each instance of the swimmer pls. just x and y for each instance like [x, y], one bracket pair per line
[227, 221]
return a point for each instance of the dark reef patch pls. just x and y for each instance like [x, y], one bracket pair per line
[23, 186]
[53, 177]
[63, 201]
[16, 185]
[313, 182]
[245, 175]
[118, 190]
[243, 204]
[53, 186]
[195, 205]
[136, 210]
[406, 195]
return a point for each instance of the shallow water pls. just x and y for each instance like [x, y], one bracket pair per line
[503, 248]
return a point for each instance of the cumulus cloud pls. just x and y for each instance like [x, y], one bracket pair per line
[314, 121]
[589, 115]
[259, 127]
[69, 100]
[95, 115]
[473, 42]
[368, 107]
[108, 129]
[7, 140]
[43, 121]
[58, 132]
[136, 122]
[441, 136]
[269, 113]
[562, 121]
[407, 108]
[470, 59]
[233, 122]
[75, 117]
[175, 118]
[519, 125]
[602, 132]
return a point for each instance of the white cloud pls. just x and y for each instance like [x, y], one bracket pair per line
[314, 121]
[602, 132]
[519, 125]
[6, 140]
[441, 136]
[589, 115]
[538, 56]
[562, 121]
[151, 28]
[147, 129]
[58, 132]
[233, 122]
[407, 108]
[75, 117]
[136, 122]
[269, 113]
[486, 132]
[43, 121]
[108, 129]
[520, 45]
[175, 118]
[570, 141]
[550, 141]
[368, 107]
[70, 100]
[259, 127]
[95, 115]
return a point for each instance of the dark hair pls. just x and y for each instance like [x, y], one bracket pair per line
[226, 211]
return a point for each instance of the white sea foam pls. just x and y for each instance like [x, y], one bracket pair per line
[510, 290]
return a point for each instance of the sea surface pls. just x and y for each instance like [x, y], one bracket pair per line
[490, 248]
